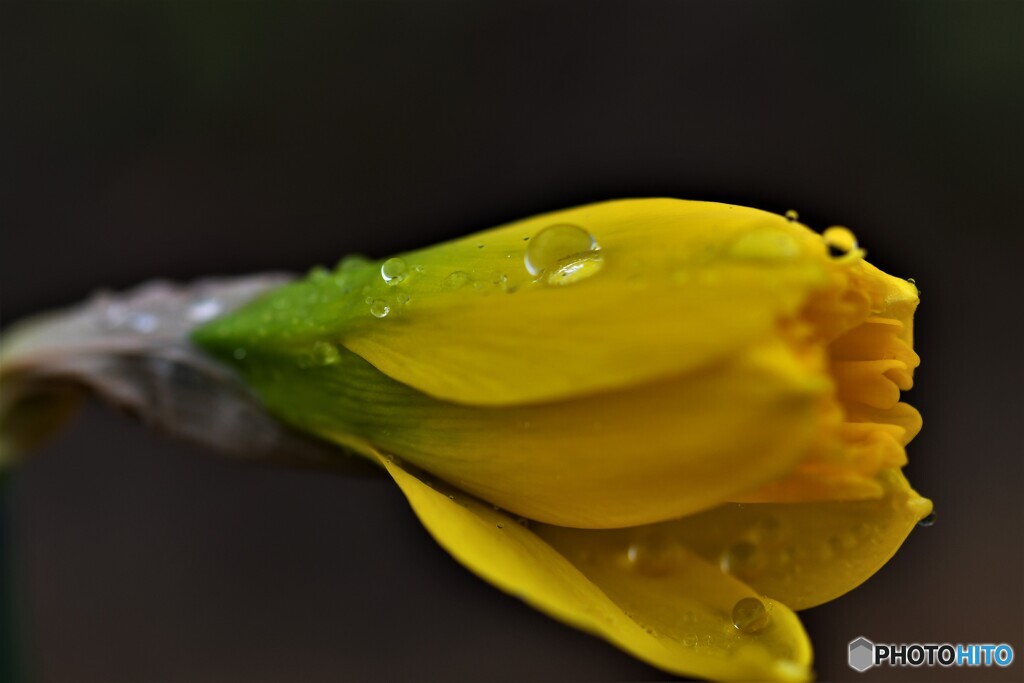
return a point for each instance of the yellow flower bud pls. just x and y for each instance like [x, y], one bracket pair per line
[686, 404]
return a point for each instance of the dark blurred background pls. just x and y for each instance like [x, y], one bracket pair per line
[180, 140]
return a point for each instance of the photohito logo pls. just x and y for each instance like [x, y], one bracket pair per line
[864, 654]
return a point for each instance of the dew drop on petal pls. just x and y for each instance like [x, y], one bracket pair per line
[840, 241]
[562, 254]
[928, 519]
[351, 262]
[765, 245]
[749, 615]
[457, 280]
[379, 308]
[792, 216]
[394, 270]
[325, 353]
[744, 560]
[652, 557]
[402, 298]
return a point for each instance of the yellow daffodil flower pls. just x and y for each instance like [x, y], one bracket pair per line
[668, 423]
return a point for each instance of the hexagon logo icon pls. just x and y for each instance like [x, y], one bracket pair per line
[862, 654]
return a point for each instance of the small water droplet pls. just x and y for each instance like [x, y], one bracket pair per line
[402, 298]
[651, 556]
[689, 640]
[840, 241]
[500, 525]
[563, 254]
[927, 520]
[114, 316]
[792, 216]
[523, 522]
[749, 615]
[203, 309]
[765, 245]
[393, 271]
[240, 353]
[379, 308]
[744, 560]
[352, 262]
[457, 280]
[145, 323]
[325, 353]
[318, 273]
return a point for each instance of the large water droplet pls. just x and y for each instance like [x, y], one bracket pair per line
[744, 560]
[840, 241]
[394, 270]
[325, 353]
[749, 615]
[379, 308]
[563, 254]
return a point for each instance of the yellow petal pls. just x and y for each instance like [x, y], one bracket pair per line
[682, 623]
[803, 554]
[679, 285]
[623, 458]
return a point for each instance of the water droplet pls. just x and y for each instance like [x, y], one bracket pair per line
[318, 273]
[203, 310]
[523, 522]
[505, 285]
[325, 353]
[928, 519]
[393, 271]
[563, 254]
[457, 279]
[744, 560]
[144, 322]
[792, 216]
[689, 640]
[651, 556]
[379, 308]
[500, 525]
[765, 245]
[749, 615]
[840, 241]
[240, 353]
[402, 298]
